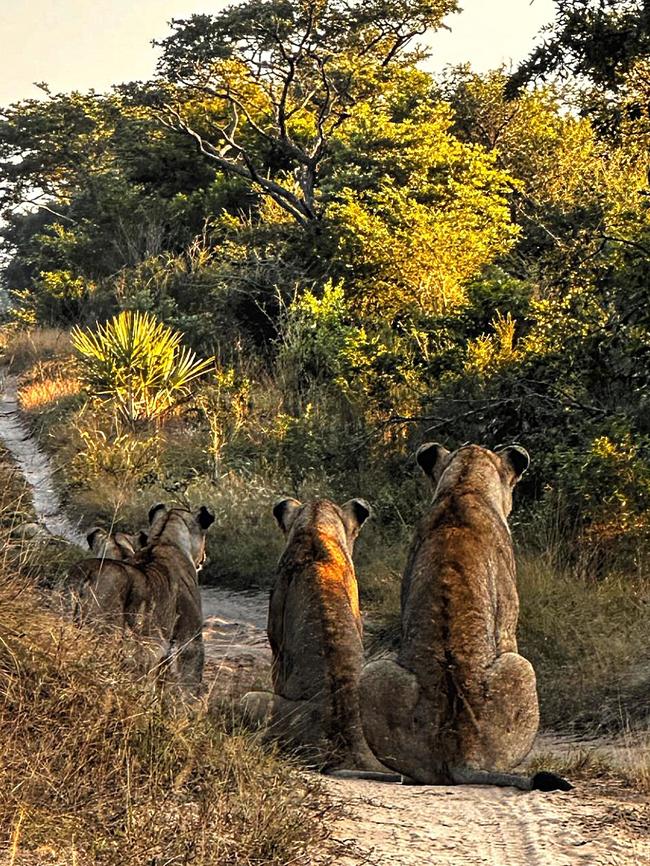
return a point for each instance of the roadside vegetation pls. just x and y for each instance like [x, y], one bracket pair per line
[366, 257]
[98, 769]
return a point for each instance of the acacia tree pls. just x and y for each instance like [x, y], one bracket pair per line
[272, 82]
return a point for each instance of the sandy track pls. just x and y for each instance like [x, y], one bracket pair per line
[34, 465]
[398, 825]
[413, 826]
[374, 823]
[238, 656]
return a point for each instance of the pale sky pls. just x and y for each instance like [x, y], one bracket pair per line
[83, 44]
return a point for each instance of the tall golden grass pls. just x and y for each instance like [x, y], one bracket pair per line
[588, 643]
[22, 349]
[49, 384]
[98, 769]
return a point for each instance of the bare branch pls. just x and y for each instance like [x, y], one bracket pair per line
[298, 209]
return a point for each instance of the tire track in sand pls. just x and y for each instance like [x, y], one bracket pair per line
[388, 825]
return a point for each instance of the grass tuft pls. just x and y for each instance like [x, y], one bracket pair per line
[588, 643]
[21, 350]
[48, 384]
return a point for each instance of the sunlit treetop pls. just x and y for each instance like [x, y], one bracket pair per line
[285, 75]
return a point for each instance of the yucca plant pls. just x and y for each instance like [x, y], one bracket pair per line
[138, 362]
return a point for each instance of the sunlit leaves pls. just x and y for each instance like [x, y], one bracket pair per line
[138, 363]
[420, 212]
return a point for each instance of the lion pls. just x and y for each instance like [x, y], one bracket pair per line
[459, 704]
[155, 594]
[315, 632]
[116, 545]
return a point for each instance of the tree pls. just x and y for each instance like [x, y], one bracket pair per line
[415, 212]
[273, 82]
[597, 40]
[93, 184]
[556, 164]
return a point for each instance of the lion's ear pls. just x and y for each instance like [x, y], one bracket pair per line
[91, 538]
[285, 511]
[154, 511]
[205, 517]
[356, 512]
[430, 458]
[516, 459]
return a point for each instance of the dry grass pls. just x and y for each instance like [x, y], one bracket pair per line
[625, 759]
[48, 384]
[98, 769]
[21, 350]
[588, 643]
[15, 500]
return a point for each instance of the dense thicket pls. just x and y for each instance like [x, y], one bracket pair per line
[399, 257]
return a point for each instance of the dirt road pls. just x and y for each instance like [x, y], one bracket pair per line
[393, 825]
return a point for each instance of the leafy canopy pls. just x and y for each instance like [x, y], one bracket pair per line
[273, 82]
[598, 40]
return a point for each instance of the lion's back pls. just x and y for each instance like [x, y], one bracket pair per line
[103, 588]
[459, 583]
[321, 620]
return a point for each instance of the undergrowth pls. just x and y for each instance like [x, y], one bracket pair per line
[583, 628]
[588, 642]
[97, 768]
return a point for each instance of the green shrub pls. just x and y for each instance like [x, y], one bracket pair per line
[138, 363]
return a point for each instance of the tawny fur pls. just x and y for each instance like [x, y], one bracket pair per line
[458, 697]
[154, 594]
[115, 545]
[315, 632]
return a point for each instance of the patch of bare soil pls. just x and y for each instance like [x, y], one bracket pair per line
[407, 826]
[237, 652]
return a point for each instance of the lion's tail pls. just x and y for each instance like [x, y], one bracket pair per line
[542, 781]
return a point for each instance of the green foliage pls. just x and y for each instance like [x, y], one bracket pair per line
[138, 363]
[224, 402]
[272, 123]
[374, 256]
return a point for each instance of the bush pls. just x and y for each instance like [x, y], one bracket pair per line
[138, 363]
